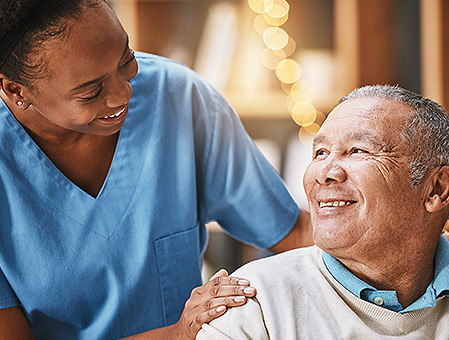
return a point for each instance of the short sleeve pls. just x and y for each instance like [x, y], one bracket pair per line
[238, 187]
[7, 297]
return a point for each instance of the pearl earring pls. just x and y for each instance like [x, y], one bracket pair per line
[19, 102]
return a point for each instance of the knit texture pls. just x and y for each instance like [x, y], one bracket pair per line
[297, 298]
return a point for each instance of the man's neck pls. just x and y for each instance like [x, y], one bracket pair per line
[408, 272]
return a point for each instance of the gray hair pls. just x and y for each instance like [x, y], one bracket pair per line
[426, 131]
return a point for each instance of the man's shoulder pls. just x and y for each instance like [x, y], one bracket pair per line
[293, 263]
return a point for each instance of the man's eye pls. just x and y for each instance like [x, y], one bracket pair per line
[358, 150]
[320, 153]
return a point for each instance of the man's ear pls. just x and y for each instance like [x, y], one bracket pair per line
[439, 195]
[13, 91]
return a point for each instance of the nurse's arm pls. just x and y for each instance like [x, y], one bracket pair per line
[206, 303]
[14, 325]
[300, 236]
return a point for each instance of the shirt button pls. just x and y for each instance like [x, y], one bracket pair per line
[378, 301]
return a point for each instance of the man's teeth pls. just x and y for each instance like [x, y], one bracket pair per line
[334, 203]
[116, 114]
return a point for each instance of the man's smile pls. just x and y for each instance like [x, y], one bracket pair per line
[335, 203]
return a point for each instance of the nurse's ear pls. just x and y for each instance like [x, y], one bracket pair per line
[13, 93]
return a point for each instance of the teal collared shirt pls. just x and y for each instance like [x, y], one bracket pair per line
[387, 298]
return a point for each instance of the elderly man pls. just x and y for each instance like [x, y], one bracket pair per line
[378, 191]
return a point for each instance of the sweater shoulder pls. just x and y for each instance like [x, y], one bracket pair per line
[294, 263]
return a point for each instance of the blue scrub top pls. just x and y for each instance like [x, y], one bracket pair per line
[123, 262]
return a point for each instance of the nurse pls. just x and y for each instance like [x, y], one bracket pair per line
[111, 164]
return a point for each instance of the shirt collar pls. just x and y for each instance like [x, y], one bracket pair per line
[441, 281]
[361, 289]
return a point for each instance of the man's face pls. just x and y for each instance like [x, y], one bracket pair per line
[358, 184]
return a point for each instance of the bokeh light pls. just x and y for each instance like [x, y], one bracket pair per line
[302, 91]
[271, 58]
[257, 6]
[276, 8]
[320, 118]
[260, 24]
[275, 21]
[275, 38]
[304, 113]
[279, 56]
[306, 134]
[289, 71]
[290, 48]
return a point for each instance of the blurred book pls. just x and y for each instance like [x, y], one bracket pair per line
[217, 47]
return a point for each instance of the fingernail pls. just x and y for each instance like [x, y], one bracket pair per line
[248, 290]
[221, 271]
[243, 282]
[221, 309]
[239, 299]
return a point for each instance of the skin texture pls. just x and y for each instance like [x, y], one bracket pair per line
[300, 236]
[64, 114]
[360, 158]
[67, 121]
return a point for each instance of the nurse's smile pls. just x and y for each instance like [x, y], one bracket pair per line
[115, 118]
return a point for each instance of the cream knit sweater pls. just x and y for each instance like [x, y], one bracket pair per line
[297, 298]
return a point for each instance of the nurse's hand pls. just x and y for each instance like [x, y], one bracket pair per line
[211, 300]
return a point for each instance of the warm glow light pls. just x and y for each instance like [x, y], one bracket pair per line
[302, 91]
[260, 24]
[290, 102]
[275, 38]
[289, 71]
[280, 46]
[276, 8]
[290, 48]
[257, 6]
[306, 134]
[304, 113]
[275, 21]
[271, 58]
[320, 118]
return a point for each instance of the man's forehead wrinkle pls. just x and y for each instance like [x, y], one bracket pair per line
[365, 137]
[320, 139]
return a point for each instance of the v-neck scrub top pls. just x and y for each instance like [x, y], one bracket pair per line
[124, 262]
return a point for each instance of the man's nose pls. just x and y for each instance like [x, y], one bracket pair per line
[330, 171]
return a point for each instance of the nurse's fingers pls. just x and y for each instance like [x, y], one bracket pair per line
[220, 280]
[192, 320]
[214, 303]
[209, 310]
[212, 299]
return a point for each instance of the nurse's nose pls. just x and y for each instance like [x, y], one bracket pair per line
[119, 93]
[330, 171]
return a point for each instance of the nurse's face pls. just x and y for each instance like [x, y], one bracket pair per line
[87, 84]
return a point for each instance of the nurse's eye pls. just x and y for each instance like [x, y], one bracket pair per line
[94, 96]
[133, 57]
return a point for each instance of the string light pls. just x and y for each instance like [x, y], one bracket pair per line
[277, 56]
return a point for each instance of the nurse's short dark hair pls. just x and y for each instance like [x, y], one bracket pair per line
[426, 131]
[22, 64]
